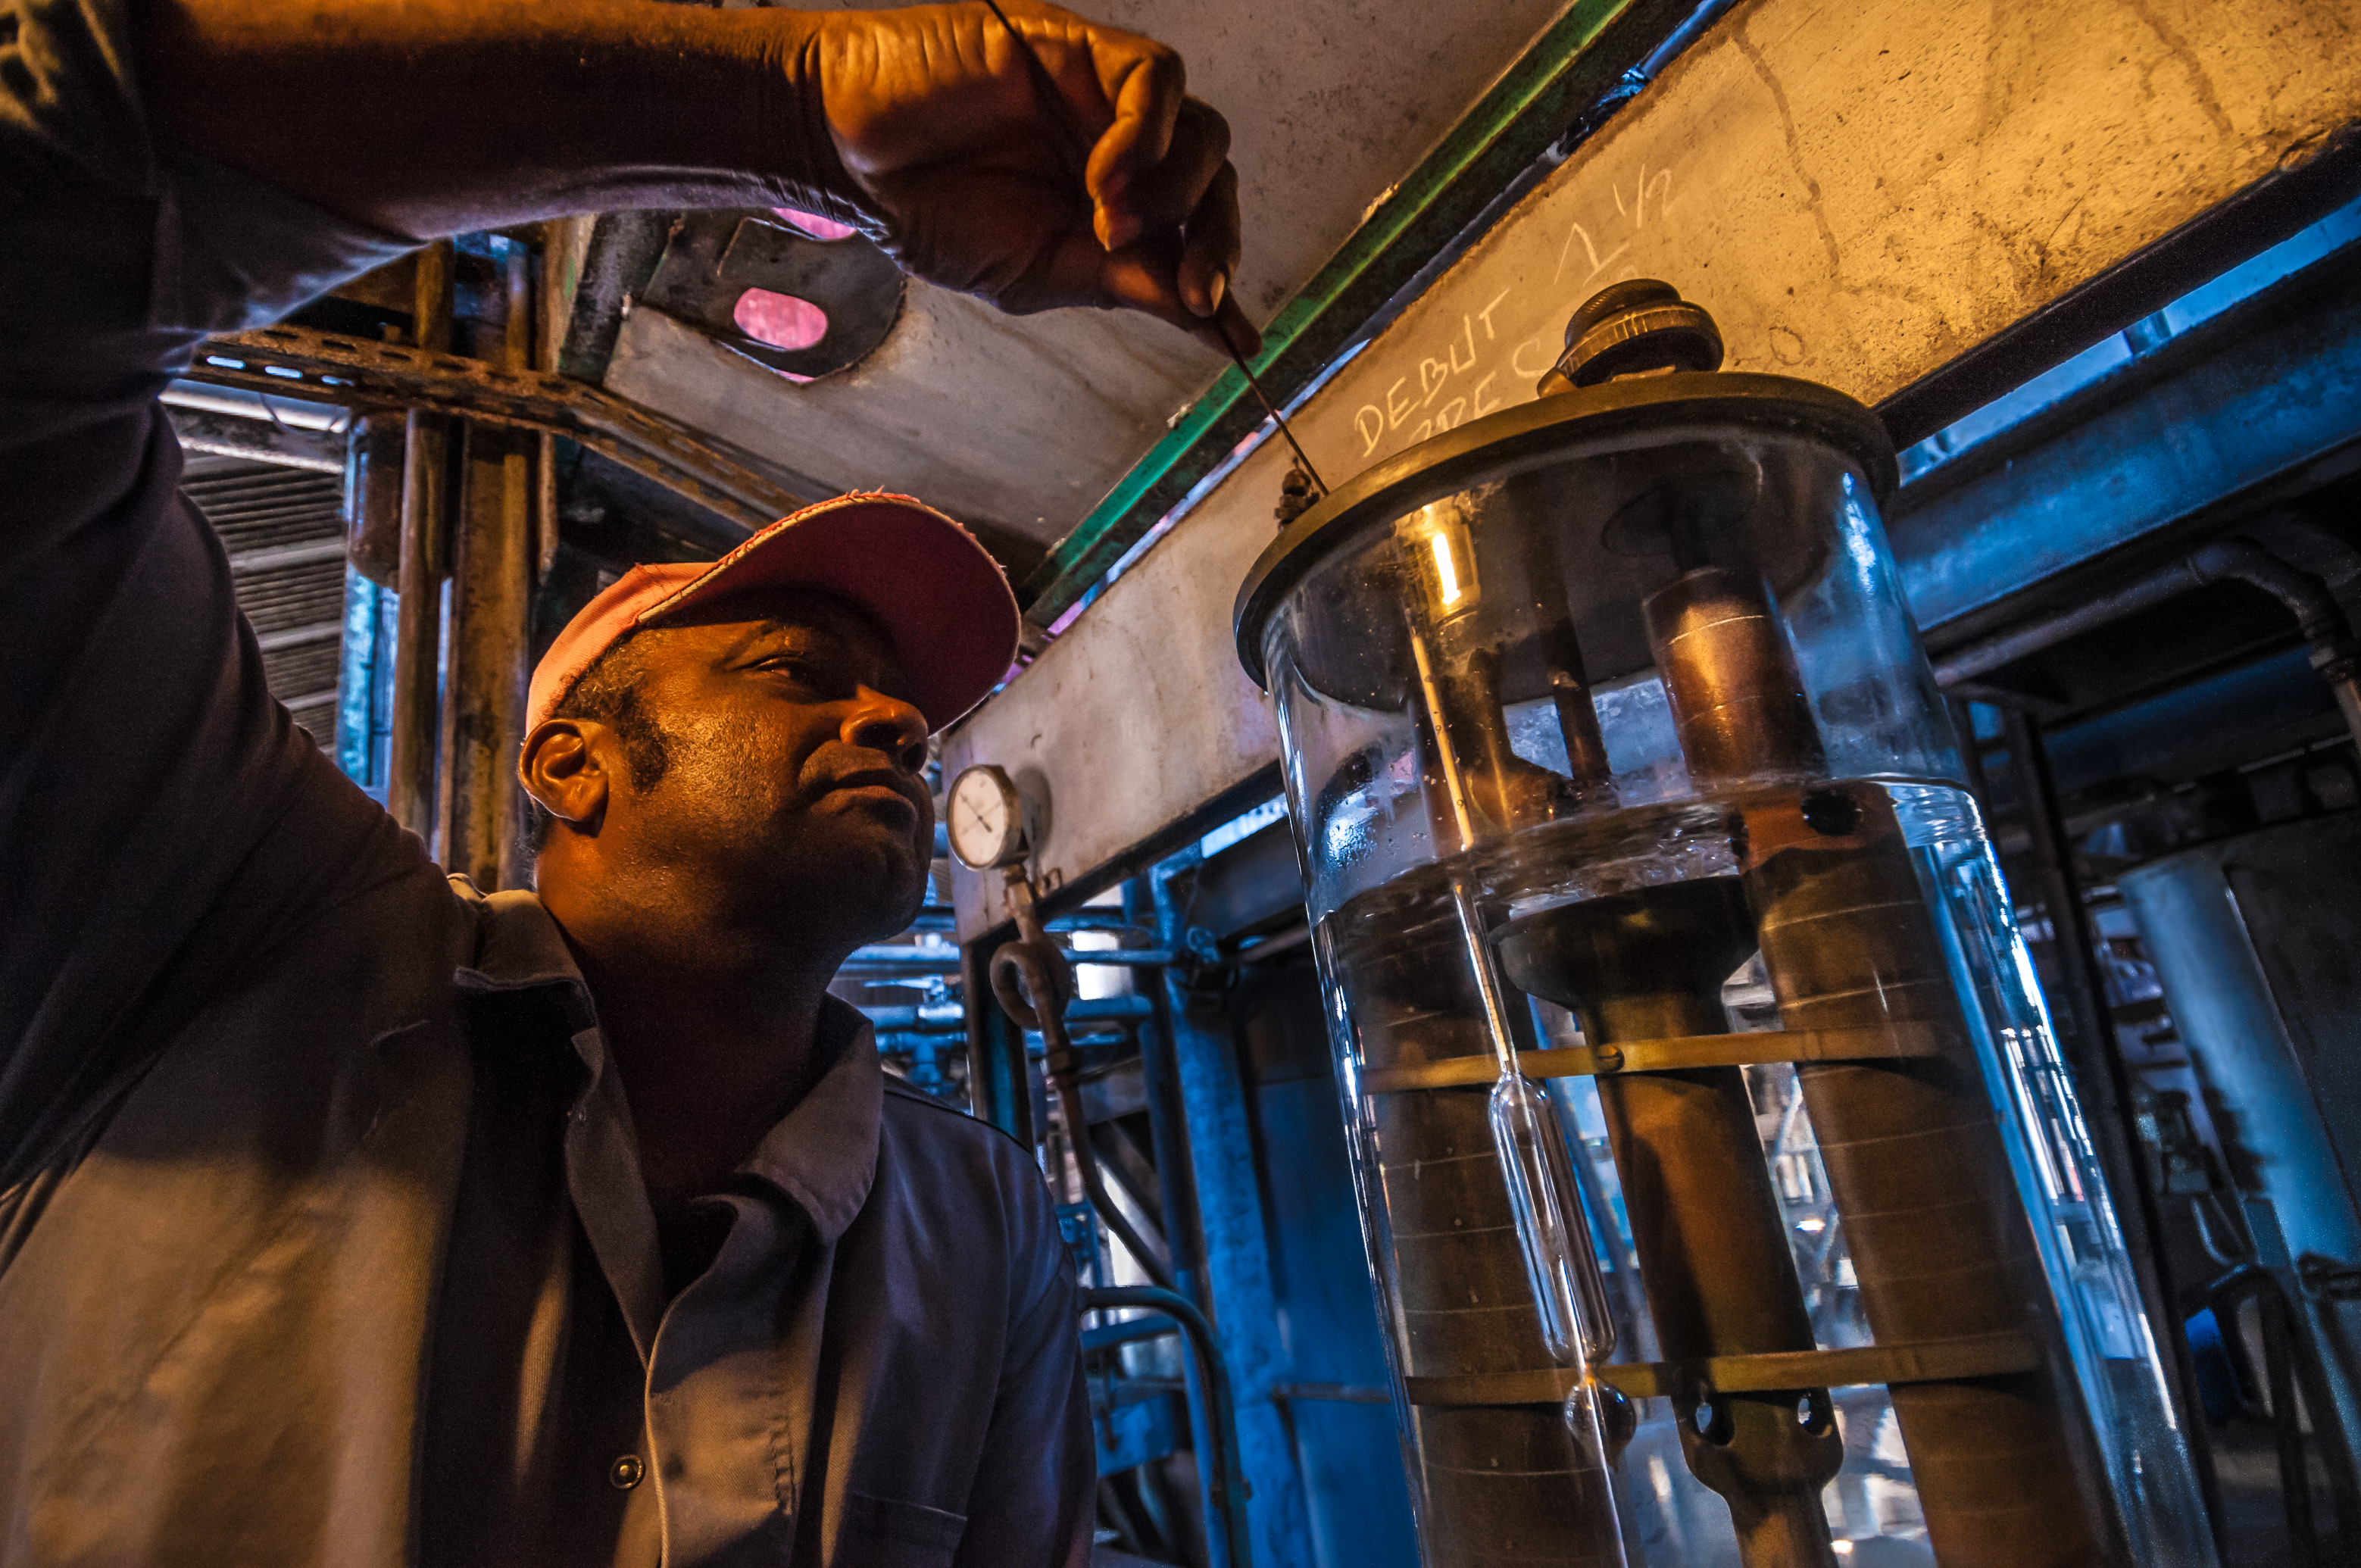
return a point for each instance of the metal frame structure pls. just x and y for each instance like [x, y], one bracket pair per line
[330, 368]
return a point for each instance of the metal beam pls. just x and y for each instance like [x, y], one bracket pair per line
[298, 636]
[297, 362]
[1225, 1263]
[203, 430]
[2212, 422]
[1862, 193]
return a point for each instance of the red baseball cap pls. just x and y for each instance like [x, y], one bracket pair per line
[937, 595]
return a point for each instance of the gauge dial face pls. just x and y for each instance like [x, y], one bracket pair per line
[987, 822]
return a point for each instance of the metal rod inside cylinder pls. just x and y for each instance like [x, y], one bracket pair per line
[1588, 769]
[1737, 700]
[1471, 925]
[1919, 1174]
[1435, 730]
[1911, 1146]
[1720, 1280]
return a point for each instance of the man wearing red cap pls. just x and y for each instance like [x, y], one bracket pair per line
[347, 1216]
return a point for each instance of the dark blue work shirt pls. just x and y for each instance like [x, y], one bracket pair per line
[322, 1238]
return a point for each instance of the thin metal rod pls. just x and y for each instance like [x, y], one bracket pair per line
[1227, 1497]
[1075, 147]
[1270, 407]
[1029, 978]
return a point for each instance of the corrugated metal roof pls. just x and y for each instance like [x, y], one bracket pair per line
[284, 529]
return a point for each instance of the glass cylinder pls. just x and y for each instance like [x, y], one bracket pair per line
[1587, 709]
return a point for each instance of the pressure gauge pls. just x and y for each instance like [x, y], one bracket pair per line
[986, 818]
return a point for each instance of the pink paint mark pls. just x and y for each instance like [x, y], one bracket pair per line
[813, 224]
[782, 321]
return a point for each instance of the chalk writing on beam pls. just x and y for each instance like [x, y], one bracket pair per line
[1460, 367]
[1480, 365]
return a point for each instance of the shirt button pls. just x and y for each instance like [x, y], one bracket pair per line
[626, 1473]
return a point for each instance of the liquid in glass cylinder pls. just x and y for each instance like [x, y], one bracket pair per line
[1891, 884]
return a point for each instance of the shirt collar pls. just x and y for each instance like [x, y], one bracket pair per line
[518, 946]
[823, 1154]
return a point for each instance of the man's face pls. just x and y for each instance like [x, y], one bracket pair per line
[793, 793]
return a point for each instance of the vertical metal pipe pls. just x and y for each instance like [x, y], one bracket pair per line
[999, 1079]
[1911, 1146]
[483, 723]
[1921, 1181]
[2101, 1078]
[1720, 1278]
[1239, 1293]
[529, 528]
[1737, 699]
[1176, 1173]
[1227, 1496]
[1588, 769]
[544, 506]
[558, 274]
[411, 788]
[373, 486]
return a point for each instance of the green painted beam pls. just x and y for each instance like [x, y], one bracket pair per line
[1572, 69]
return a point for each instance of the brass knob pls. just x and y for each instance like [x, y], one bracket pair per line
[1638, 327]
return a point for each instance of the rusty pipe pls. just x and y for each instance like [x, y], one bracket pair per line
[1916, 1167]
[1030, 980]
[491, 593]
[1737, 699]
[411, 788]
[1496, 1482]
[1911, 1146]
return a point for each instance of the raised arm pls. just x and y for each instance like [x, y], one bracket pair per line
[174, 168]
[929, 127]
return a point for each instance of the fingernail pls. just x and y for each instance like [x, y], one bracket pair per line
[1117, 229]
[1214, 291]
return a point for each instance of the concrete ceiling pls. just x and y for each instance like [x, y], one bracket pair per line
[1023, 423]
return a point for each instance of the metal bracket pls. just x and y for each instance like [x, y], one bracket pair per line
[1930, 1361]
[297, 362]
[1675, 1054]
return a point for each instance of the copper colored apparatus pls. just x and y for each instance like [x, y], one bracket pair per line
[1914, 1158]
[1913, 1153]
[1649, 965]
[1500, 1482]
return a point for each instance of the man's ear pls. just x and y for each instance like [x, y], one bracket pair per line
[562, 767]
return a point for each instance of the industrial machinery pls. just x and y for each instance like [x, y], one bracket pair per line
[2253, 936]
[1584, 705]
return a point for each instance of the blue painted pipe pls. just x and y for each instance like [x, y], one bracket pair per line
[1227, 1498]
